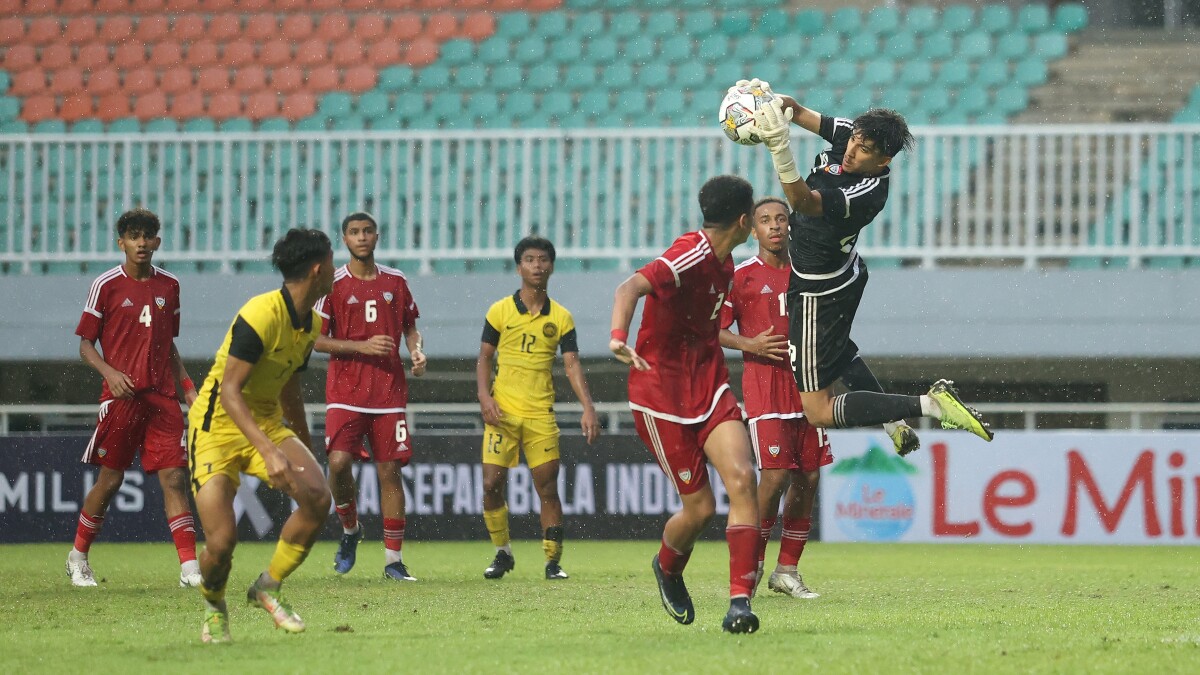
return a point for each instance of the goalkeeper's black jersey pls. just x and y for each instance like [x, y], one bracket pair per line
[823, 247]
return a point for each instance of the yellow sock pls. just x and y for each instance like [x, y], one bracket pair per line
[287, 558]
[214, 596]
[552, 543]
[496, 521]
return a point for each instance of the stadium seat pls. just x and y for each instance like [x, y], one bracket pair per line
[506, 77]
[691, 75]
[152, 29]
[954, 73]
[187, 104]
[1011, 99]
[88, 126]
[861, 47]
[54, 126]
[28, 82]
[1070, 17]
[421, 52]
[841, 73]
[65, 82]
[1034, 18]
[543, 76]
[580, 76]
[457, 52]
[75, 108]
[103, 81]
[404, 27]
[79, 30]
[20, 57]
[879, 72]
[43, 30]
[115, 106]
[992, 73]
[223, 27]
[883, 20]
[513, 25]
[856, 101]
[640, 49]
[530, 51]
[749, 49]
[1031, 72]
[972, 100]
[902, 45]
[150, 105]
[713, 48]
[494, 50]
[370, 27]
[12, 30]
[10, 108]
[624, 25]
[974, 46]
[472, 76]
[92, 55]
[957, 19]
[56, 57]
[333, 27]
[676, 49]
[602, 50]
[736, 24]
[1050, 46]
[224, 105]
[556, 103]
[286, 79]
[395, 78]
[519, 104]
[995, 18]
[617, 76]
[174, 80]
[212, 80]
[588, 25]
[551, 25]
[1012, 45]
[661, 24]
[773, 23]
[237, 54]
[822, 47]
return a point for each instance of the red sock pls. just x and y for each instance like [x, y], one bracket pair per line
[795, 535]
[183, 531]
[393, 533]
[743, 568]
[672, 561]
[348, 514]
[85, 534]
[764, 529]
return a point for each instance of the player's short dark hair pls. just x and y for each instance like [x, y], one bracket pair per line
[772, 200]
[299, 249]
[724, 199]
[886, 128]
[536, 243]
[358, 215]
[134, 221]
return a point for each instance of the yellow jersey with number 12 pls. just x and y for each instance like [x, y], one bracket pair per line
[525, 348]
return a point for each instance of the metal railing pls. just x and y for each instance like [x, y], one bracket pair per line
[616, 417]
[1025, 193]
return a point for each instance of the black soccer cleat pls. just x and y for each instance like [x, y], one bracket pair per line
[501, 565]
[740, 619]
[555, 571]
[674, 594]
[397, 572]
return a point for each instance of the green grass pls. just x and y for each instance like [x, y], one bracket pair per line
[884, 608]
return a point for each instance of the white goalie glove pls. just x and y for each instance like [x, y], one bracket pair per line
[774, 127]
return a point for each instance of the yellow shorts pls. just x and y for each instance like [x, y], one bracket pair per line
[537, 436]
[229, 454]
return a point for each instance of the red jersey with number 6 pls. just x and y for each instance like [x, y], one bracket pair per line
[357, 309]
[135, 323]
[680, 333]
[757, 303]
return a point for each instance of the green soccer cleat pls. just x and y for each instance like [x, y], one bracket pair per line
[905, 439]
[280, 611]
[954, 413]
[215, 629]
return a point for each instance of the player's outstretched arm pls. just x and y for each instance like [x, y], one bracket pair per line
[120, 384]
[807, 118]
[774, 125]
[279, 468]
[766, 344]
[415, 343]
[624, 305]
[181, 376]
[590, 423]
[483, 384]
[376, 345]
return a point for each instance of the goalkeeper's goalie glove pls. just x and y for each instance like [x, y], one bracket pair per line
[774, 127]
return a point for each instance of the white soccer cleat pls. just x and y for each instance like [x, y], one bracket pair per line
[189, 575]
[792, 584]
[80, 572]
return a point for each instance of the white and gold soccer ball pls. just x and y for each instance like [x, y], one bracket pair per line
[736, 114]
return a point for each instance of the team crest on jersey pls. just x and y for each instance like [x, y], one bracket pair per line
[685, 475]
[550, 329]
[102, 452]
[835, 169]
[387, 296]
[774, 450]
[161, 302]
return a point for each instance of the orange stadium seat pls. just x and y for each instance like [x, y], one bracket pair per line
[115, 29]
[35, 7]
[177, 80]
[165, 55]
[359, 5]
[148, 6]
[91, 56]
[20, 57]
[370, 27]
[112, 6]
[322, 78]
[113, 106]
[287, 6]
[238, 53]
[299, 105]
[249, 78]
[436, 5]
[405, 27]
[186, 105]
[360, 78]
[38, 108]
[187, 28]
[67, 81]
[296, 27]
[312, 52]
[277, 52]
[128, 55]
[324, 5]
[75, 108]
[421, 52]
[224, 27]
[397, 4]
[11, 7]
[261, 27]
[386, 53]
[182, 6]
[43, 31]
[27, 82]
[334, 27]
[103, 81]
[79, 30]
[211, 6]
[542, 5]
[506, 5]
[143, 81]
[471, 5]
[254, 5]
[56, 56]
[262, 105]
[224, 105]
[347, 53]
[12, 30]
[287, 79]
[76, 7]
[212, 79]
[151, 29]
[441, 26]
[202, 53]
[479, 26]
[150, 105]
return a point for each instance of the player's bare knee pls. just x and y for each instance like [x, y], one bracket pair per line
[173, 480]
[340, 464]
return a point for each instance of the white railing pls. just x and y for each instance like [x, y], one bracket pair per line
[1025, 193]
[616, 418]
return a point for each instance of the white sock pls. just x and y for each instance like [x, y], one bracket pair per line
[890, 427]
[390, 556]
[930, 407]
[190, 567]
[506, 548]
[357, 527]
[77, 555]
[785, 569]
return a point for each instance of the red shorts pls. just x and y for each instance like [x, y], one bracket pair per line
[789, 444]
[679, 448]
[149, 423]
[345, 431]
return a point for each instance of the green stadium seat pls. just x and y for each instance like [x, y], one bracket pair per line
[372, 104]
[991, 116]
[916, 73]
[992, 73]
[1070, 17]
[774, 23]
[395, 78]
[513, 25]
[861, 47]
[624, 25]
[902, 45]
[809, 22]
[530, 51]
[736, 24]
[974, 46]
[618, 75]
[601, 50]
[856, 101]
[565, 51]
[1013, 45]
[841, 73]
[14, 127]
[954, 73]
[445, 105]
[5, 81]
[713, 48]
[772, 71]
[594, 103]
[749, 48]
[821, 100]
[433, 77]
[668, 103]
[938, 46]
[619, 5]
[957, 19]
[519, 104]
[505, 77]
[934, 100]
[85, 127]
[161, 125]
[729, 71]
[494, 50]
[1034, 18]
[337, 104]
[471, 76]
[236, 124]
[824, 47]
[921, 19]
[314, 123]
[788, 50]
[883, 20]
[995, 18]
[588, 25]
[580, 76]
[879, 72]
[551, 25]
[125, 125]
[898, 98]
[581, 5]
[691, 75]
[1187, 115]
[699, 24]
[676, 49]
[409, 106]
[661, 24]
[483, 105]
[348, 123]
[542, 77]
[1031, 72]
[10, 108]
[1011, 99]
[953, 116]
[556, 103]
[1050, 46]
[456, 52]
[972, 100]
[847, 21]
[640, 49]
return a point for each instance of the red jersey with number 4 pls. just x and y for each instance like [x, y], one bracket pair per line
[680, 333]
[135, 323]
[357, 309]
[757, 303]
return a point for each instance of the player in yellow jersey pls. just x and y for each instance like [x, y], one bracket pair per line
[249, 418]
[522, 332]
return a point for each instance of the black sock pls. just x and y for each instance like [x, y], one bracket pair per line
[554, 533]
[868, 409]
[858, 377]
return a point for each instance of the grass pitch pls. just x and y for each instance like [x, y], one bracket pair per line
[884, 608]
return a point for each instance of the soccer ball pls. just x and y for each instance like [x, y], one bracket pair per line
[736, 114]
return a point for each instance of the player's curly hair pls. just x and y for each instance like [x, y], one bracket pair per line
[536, 243]
[136, 221]
[886, 128]
[724, 199]
[358, 215]
[772, 200]
[298, 250]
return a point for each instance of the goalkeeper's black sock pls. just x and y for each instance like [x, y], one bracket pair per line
[858, 377]
[867, 409]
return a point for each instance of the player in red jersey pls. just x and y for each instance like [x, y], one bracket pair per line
[365, 392]
[133, 312]
[679, 392]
